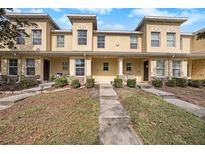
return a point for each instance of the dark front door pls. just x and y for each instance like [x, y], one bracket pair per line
[46, 69]
[146, 70]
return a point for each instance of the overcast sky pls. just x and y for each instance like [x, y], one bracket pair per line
[124, 19]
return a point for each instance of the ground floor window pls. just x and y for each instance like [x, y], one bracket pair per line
[65, 65]
[128, 66]
[160, 67]
[13, 67]
[80, 67]
[176, 68]
[30, 66]
[105, 66]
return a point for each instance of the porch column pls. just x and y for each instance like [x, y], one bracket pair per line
[72, 66]
[120, 67]
[88, 66]
[184, 68]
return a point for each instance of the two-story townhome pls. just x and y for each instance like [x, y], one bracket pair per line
[156, 48]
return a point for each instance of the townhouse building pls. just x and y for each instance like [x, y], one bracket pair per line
[155, 48]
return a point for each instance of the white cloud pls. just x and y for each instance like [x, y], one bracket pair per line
[112, 26]
[149, 12]
[36, 11]
[56, 9]
[16, 10]
[101, 11]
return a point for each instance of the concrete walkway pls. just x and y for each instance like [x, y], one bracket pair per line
[170, 98]
[10, 100]
[114, 121]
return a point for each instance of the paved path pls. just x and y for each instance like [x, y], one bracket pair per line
[170, 98]
[6, 102]
[114, 121]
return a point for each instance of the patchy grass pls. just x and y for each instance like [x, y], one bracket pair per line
[69, 117]
[157, 122]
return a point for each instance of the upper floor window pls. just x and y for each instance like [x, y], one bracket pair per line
[21, 37]
[82, 37]
[30, 66]
[101, 41]
[80, 67]
[133, 42]
[106, 66]
[160, 67]
[155, 39]
[13, 67]
[60, 40]
[171, 39]
[36, 36]
[176, 66]
[128, 66]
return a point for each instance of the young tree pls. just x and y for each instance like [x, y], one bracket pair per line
[10, 31]
[201, 35]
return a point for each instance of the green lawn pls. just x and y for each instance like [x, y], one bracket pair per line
[69, 117]
[157, 122]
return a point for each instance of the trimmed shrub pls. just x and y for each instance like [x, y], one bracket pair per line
[53, 78]
[75, 83]
[118, 82]
[181, 82]
[197, 83]
[131, 83]
[171, 83]
[27, 82]
[61, 82]
[90, 82]
[157, 83]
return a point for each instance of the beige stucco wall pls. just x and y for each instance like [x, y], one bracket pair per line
[137, 68]
[198, 45]
[117, 42]
[198, 69]
[186, 44]
[57, 65]
[163, 29]
[82, 25]
[67, 42]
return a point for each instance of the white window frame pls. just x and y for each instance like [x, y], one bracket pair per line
[60, 41]
[82, 37]
[171, 39]
[38, 37]
[30, 67]
[105, 66]
[15, 67]
[176, 68]
[128, 67]
[101, 41]
[133, 42]
[155, 39]
[160, 66]
[79, 67]
[21, 37]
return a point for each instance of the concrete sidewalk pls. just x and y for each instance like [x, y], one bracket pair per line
[114, 121]
[170, 98]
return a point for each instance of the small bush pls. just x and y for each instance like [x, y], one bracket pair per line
[157, 83]
[118, 82]
[27, 82]
[90, 82]
[181, 82]
[61, 82]
[53, 78]
[131, 83]
[171, 83]
[197, 83]
[75, 83]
